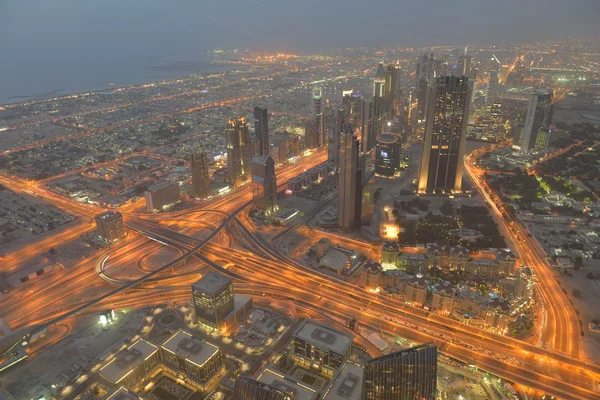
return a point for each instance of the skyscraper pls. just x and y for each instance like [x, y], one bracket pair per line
[200, 179]
[249, 389]
[265, 183]
[239, 152]
[109, 226]
[350, 185]
[493, 83]
[464, 65]
[376, 110]
[405, 375]
[261, 130]
[539, 115]
[445, 136]
[213, 299]
[317, 95]
[391, 96]
[336, 121]
[427, 69]
[356, 114]
[387, 154]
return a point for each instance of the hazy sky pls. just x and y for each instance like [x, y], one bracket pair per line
[75, 44]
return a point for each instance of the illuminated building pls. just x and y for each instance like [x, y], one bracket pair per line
[539, 115]
[192, 359]
[335, 125]
[428, 68]
[130, 367]
[376, 110]
[356, 113]
[200, 179]
[249, 389]
[464, 65]
[350, 183]
[387, 153]
[320, 346]
[109, 226]
[265, 184]
[121, 394]
[493, 84]
[239, 152]
[261, 130]
[542, 140]
[391, 95]
[162, 195]
[445, 136]
[404, 375]
[346, 384]
[213, 299]
[318, 122]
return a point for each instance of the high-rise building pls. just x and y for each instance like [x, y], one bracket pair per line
[261, 130]
[539, 115]
[445, 136]
[350, 183]
[213, 299]
[493, 84]
[464, 65]
[405, 375]
[162, 195]
[542, 140]
[428, 68]
[200, 179]
[265, 183]
[318, 120]
[387, 154]
[239, 152]
[336, 121]
[321, 346]
[356, 114]
[109, 226]
[376, 110]
[391, 96]
[249, 389]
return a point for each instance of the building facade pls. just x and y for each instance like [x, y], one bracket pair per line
[239, 152]
[261, 130]
[213, 299]
[265, 184]
[539, 115]
[350, 183]
[162, 195]
[109, 226]
[387, 155]
[445, 138]
[200, 177]
[405, 375]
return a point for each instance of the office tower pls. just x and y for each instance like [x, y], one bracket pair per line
[317, 116]
[239, 152]
[355, 109]
[336, 120]
[391, 95]
[493, 84]
[200, 179]
[130, 367]
[109, 226]
[213, 299]
[265, 184]
[445, 136]
[428, 68]
[193, 358]
[321, 346]
[350, 184]
[539, 115]
[162, 195]
[464, 65]
[261, 130]
[542, 140]
[376, 110]
[387, 155]
[249, 389]
[405, 375]
[311, 135]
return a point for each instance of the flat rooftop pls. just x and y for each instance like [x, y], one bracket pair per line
[123, 394]
[212, 282]
[193, 349]
[127, 360]
[161, 185]
[324, 337]
[286, 384]
[346, 384]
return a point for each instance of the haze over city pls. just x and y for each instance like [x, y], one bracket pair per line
[317, 200]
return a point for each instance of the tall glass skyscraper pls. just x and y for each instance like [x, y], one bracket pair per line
[200, 178]
[261, 130]
[405, 375]
[445, 136]
[239, 152]
[539, 115]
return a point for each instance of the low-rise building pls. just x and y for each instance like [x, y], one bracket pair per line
[162, 195]
[130, 367]
[346, 384]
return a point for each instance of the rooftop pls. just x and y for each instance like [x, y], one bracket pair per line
[325, 337]
[193, 349]
[285, 384]
[160, 185]
[346, 384]
[212, 282]
[123, 394]
[127, 360]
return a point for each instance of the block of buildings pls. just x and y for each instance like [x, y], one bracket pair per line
[320, 346]
[188, 357]
[346, 384]
[286, 384]
[130, 367]
[162, 195]
[109, 226]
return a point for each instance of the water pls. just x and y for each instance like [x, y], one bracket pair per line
[68, 46]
